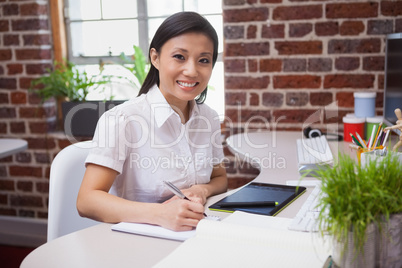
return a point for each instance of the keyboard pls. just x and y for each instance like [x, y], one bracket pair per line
[313, 153]
[306, 219]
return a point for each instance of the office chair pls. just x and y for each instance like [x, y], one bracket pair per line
[66, 173]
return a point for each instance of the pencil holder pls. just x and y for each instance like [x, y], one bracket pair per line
[376, 155]
[366, 153]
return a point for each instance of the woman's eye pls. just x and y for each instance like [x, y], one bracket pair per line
[178, 56]
[204, 61]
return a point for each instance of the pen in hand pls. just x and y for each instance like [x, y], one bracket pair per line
[177, 192]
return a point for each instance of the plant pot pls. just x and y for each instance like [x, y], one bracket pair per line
[346, 256]
[80, 118]
[389, 243]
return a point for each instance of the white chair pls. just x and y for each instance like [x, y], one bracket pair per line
[66, 174]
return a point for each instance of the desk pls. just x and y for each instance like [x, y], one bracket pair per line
[98, 246]
[12, 146]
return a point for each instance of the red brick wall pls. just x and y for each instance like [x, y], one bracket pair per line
[287, 59]
[282, 58]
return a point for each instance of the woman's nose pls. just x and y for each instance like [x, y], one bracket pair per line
[190, 69]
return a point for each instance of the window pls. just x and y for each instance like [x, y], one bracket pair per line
[100, 30]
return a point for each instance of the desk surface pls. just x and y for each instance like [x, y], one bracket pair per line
[98, 246]
[12, 146]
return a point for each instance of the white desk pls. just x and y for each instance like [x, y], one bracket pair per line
[12, 146]
[98, 246]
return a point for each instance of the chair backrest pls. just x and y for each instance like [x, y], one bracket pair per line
[66, 173]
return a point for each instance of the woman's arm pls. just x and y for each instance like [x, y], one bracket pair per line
[95, 202]
[218, 184]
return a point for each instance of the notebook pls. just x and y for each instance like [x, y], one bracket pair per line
[249, 240]
[258, 192]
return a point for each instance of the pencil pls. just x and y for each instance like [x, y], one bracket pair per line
[386, 137]
[361, 140]
[376, 136]
[372, 137]
[355, 140]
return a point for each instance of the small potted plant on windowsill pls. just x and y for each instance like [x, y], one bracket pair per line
[357, 207]
[70, 87]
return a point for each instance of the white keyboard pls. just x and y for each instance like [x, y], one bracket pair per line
[313, 152]
[306, 219]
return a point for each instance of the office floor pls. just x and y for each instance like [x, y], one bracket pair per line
[11, 256]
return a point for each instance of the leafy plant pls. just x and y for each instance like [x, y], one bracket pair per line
[137, 64]
[354, 197]
[66, 81]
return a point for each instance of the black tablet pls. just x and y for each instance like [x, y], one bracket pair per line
[255, 198]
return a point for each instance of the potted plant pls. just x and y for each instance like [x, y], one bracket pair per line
[358, 204]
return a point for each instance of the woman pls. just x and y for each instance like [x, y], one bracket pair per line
[165, 133]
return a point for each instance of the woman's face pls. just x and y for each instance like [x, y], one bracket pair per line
[185, 66]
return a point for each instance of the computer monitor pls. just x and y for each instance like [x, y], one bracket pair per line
[393, 78]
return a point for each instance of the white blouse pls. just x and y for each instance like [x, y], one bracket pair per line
[144, 140]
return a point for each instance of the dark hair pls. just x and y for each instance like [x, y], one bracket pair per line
[177, 24]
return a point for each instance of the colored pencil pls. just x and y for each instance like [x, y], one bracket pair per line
[361, 140]
[376, 136]
[355, 140]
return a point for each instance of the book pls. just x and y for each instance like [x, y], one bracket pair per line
[249, 240]
[257, 193]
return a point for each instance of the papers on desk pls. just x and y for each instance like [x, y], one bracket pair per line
[249, 240]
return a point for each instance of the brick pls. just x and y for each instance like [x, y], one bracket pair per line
[4, 26]
[8, 212]
[43, 158]
[25, 186]
[246, 49]
[296, 81]
[3, 130]
[379, 27]
[252, 65]
[10, 10]
[293, 115]
[26, 201]
[273, 31]
[38, 68]
[398, 25]
[25, 82]
[234, 2]
[5, 54]
[3, 199]
[11, 40]
[245, 82]
[347, 63]
[1, 70]
[33, 54]
[7, 112]
[299, 47]
[36, 39]
[25, 171]
[391, 8]
[32, 112]
[23, 157]
[18, 97]
[14, 69]
[328, 28]
[372, 45]
[271, 99]
[8, 83]
[33, 9]
[7, 185]
[270, 1]
[235, 66]
[245, 15]
[30, 25]
[300, 29]
[296, 99]
[41, 143]
[319, 65]
[38, 127]
[270, 65]
[254, 99]
[246, 115]
[304, 12]
[351, 28]
[294, 65]
[233, 32]
[320, 98]
[17, 127]
[251, 32]
[345, 99]
[349, 81]
[235, 98]
[381, 81]
[4, 98]
[351, 10]
[374, 63]
[42, 187]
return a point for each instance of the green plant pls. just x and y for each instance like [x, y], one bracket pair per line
[137, 64]
[354, 197]
[66, 81]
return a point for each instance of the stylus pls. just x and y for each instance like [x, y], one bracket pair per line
[248, 204]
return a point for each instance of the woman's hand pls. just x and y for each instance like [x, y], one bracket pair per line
[180, 214]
